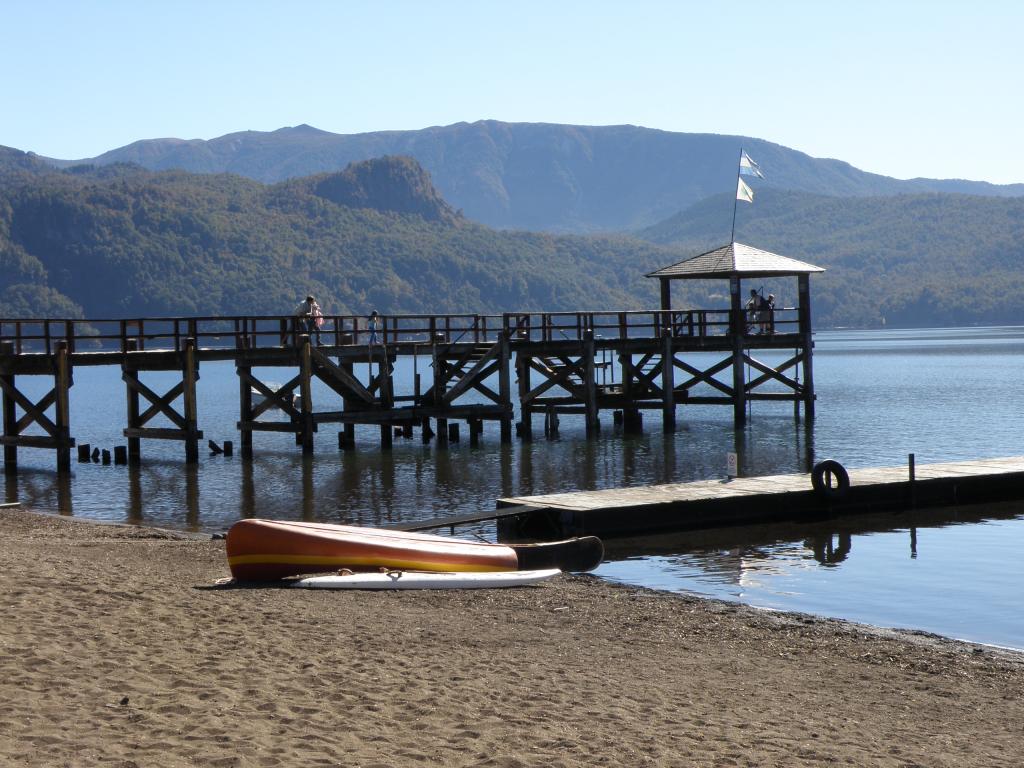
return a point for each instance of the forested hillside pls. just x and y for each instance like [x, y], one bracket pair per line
[119, 240]
[906, 260]
[538, 176]
[122, 241]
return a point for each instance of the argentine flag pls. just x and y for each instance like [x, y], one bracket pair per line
[748, 167]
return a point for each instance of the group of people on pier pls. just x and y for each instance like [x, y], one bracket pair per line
[311, 319]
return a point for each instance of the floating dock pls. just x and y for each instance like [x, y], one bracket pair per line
[741, 500]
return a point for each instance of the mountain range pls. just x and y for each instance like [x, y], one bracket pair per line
[113, 238]
[538, 176]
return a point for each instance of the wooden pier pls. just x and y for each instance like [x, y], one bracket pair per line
[726, 502]
[584, 363]
[577, 362]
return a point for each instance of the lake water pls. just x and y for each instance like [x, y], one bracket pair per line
[942, 394]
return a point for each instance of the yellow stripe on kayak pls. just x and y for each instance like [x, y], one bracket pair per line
[340, 562]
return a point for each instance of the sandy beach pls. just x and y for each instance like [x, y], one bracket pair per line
[115, 651]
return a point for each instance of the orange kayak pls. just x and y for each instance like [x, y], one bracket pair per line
[264, 550]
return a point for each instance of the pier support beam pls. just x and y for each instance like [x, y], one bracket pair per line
[10, 449]
[668, 384]
[505, 386]
[190, 375]
[186, 423]
[590, 382]
[57, 429]
[7, 384]
[62, 407]
[306, 395]
[808, 344]
[348, 442]
[245, 414]
[526, 412]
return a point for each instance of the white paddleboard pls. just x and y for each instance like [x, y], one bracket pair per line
[426, 580]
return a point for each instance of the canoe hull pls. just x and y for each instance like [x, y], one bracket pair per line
[266, 550]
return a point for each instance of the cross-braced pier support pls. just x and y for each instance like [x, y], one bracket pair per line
[185, 424]
[57, 430]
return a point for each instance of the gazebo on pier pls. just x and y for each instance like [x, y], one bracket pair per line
[737, 262]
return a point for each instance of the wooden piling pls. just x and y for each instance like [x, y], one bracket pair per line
[804, 287]
[7, 381]
[62, 407]
[668, 385]
[245, 414]
[505, 387]
[132, 397]
[306, 395]
[190, 375]
[590, 382]
[525, 411]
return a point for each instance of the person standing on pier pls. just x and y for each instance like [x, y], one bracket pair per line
[374, 326]
[311, 317]
[753, 310]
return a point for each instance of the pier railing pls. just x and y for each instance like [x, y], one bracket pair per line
[263, 331]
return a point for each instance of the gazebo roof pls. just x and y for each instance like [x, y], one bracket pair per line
[736, 260]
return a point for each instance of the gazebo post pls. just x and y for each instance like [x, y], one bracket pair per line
[666, 294]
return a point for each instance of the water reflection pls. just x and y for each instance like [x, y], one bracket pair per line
[827, 551]
[954, 571]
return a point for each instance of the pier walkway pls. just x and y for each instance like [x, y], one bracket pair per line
[719, 503]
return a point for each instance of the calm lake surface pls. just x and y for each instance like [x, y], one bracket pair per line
[942, 394]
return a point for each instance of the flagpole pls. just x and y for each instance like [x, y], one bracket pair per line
[735, 198]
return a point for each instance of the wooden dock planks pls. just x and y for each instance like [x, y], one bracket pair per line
[713, 503]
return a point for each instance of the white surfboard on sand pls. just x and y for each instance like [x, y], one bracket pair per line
[426, 580]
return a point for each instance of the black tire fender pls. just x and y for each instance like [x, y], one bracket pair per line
[825, 488]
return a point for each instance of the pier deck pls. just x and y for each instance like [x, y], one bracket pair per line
[724, 502]
[473, 367]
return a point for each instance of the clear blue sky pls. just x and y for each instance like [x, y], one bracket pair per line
[902, 88]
